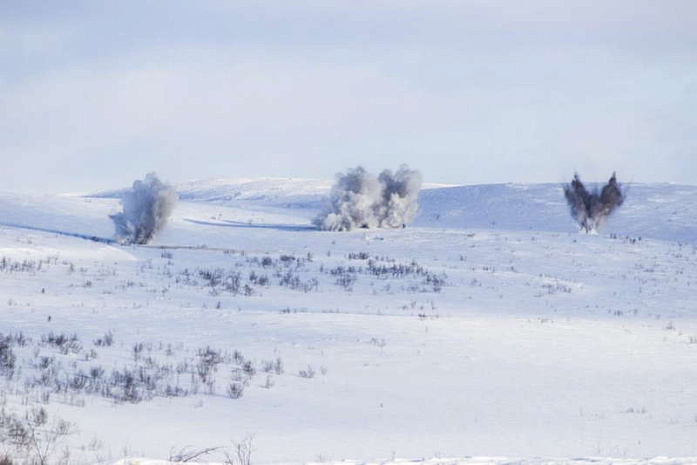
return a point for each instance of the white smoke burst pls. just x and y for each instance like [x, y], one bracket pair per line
[146, 209]
[361, 200]
[591, 209]
[399, 196]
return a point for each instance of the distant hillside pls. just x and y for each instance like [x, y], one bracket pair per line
[659, 211]
[281, 192]
[267, 190]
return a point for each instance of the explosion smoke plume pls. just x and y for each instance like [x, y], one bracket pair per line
[361, 200]
[146, 208]
[590, 209]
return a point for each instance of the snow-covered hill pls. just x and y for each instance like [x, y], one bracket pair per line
[490, 328]
[271, 191]
[659, 211]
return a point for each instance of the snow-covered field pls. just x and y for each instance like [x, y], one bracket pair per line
[491, 328]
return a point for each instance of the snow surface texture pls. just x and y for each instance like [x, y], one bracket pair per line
[473, 461]
[146, 209]
[591, 209]
[359, 199]
[489, 328]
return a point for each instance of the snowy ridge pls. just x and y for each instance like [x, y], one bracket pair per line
[269, 191]
[657, 211]
[256, 189]
[285, 192]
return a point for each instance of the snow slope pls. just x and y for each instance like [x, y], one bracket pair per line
[659, 211]
[491, 328]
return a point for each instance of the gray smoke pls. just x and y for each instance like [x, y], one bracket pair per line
[361, 200]
[146, 208]
[590, 209]
[399, 197]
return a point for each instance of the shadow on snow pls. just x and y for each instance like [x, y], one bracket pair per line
[240, 224]
[104, 240]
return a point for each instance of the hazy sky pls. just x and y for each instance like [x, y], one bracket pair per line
[95, 94]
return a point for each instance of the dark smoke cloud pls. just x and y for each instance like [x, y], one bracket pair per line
[361, 200]
[146, 208]
[590, 209]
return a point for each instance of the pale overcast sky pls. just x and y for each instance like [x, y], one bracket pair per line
[96, 93]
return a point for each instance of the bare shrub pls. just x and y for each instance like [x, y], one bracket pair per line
[105, 341]
[235, 389]
[189, 454]
[273, 366]
[65, 343]
[7, 357]
[241, 452]
[32, 435]
[146, 209]
[207, 366]
[144, 377]
[293, 281]
[8, 265]
[307, 373]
